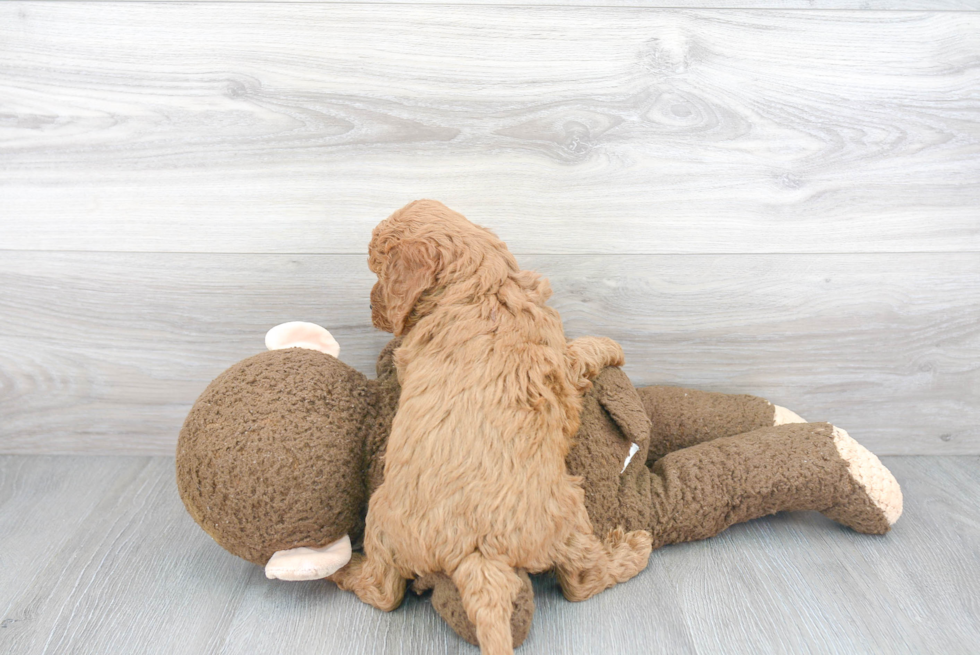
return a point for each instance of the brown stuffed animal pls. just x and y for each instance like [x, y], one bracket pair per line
[279, 455]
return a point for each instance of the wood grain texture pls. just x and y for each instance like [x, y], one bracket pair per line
[44, 502]
[129, 555]
[137, 575]
[864, 5]
[105, 352]
[296, 127]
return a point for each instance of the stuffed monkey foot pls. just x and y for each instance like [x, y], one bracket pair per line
[877, 485]
[783, 416]
[699, 491]
[875, 502]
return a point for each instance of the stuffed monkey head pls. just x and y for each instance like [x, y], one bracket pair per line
[272, 454]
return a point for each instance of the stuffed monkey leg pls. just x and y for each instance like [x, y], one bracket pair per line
[699, 491]
[686, 417]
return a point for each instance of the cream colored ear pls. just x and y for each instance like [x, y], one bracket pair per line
[309, 563]
[299, 334]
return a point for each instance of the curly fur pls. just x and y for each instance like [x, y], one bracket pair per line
[475, 481]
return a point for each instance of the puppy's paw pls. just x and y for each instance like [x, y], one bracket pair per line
[640, 541]
[613, 353]
[630, 551]
[589, 355]
[346, 575]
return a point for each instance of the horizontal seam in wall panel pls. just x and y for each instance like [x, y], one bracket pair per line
[516, 253]
[513, 6]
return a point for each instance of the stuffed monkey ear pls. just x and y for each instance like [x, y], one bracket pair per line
[410, 271]
[300, 334]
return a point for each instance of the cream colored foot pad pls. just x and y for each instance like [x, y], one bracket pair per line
[876, 480]
[783, 416]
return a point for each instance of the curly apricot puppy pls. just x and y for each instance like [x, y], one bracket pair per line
[475, 482]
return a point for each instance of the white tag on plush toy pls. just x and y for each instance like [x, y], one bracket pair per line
[633, 449]
[300, 334]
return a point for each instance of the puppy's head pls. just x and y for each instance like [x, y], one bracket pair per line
[424, 251]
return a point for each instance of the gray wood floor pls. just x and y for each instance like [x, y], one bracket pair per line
[98, 556]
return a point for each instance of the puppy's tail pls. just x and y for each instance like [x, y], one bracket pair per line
[488, 589]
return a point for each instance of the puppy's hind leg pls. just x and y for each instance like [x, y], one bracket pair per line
[372, 576]
[586, 566]
[488, 589]
[587, 356]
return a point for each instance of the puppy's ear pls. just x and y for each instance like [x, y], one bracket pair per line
[410, 270]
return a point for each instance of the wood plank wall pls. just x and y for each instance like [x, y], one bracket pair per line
[775, 197]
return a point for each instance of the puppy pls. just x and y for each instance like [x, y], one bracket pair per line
[475, 483]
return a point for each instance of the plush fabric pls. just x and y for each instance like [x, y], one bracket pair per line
[271, 456]
[283, 449]
[696, 491]
[686, 417]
